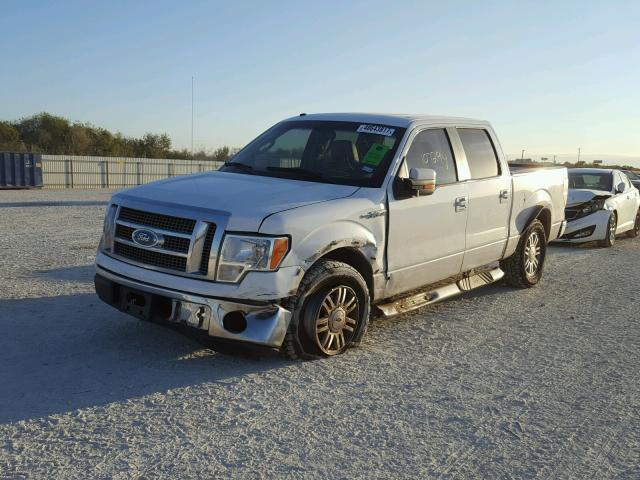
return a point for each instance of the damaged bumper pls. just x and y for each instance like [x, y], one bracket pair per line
[587, 229]
[262, 323]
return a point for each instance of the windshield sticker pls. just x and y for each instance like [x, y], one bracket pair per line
[377, 129]
[375, 154]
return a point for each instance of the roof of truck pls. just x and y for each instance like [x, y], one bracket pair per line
[393, 119]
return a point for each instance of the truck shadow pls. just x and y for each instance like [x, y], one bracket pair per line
[59, 354]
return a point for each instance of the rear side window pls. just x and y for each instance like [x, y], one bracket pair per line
[481, 155]
[431, 149]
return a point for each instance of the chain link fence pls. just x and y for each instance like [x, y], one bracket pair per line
[75, 171]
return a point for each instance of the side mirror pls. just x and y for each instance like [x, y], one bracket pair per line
[423, 180]
[620, 187]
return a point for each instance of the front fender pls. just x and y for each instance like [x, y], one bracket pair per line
[341, 234]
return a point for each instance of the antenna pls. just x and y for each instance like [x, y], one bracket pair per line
[192, 117]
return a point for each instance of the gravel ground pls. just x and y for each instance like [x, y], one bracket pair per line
[499, 383]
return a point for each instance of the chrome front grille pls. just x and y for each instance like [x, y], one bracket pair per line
[150, 257]
[186, 246]
[149, 219]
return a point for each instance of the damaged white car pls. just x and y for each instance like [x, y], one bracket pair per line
[602, 203]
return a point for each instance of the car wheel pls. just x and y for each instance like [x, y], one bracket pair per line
[635, 231]
[612, 226]
[524, 268]
[330, 311]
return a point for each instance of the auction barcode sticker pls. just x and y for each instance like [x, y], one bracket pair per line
[377, 129]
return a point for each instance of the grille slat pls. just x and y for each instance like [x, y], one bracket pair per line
[206, 250]
[150, 257]
[166, 222]
[176, 244]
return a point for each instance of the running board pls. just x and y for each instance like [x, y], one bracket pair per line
[428, 297]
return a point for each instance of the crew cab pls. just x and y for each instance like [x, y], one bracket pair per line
[324, 219]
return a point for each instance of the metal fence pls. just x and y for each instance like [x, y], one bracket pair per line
[74, 171]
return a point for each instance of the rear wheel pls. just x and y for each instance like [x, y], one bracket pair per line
[612, 226]
[330, 312]
[635, 231]
[523, 269]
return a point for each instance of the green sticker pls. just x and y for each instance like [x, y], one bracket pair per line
[375, 154]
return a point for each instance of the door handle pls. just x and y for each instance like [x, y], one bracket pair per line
[504, 194]
[461, 204]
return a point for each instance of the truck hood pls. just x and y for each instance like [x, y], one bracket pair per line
[577, 197]
[246, 199]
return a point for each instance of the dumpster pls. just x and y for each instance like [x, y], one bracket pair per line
[20, 170]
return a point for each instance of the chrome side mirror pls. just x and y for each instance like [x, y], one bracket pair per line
[423, 180]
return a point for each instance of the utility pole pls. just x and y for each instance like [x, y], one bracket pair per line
[522, 155]
[578, 154]
[192, 117]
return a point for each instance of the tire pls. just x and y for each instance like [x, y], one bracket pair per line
[612, 225]
[522, 269]
[635, 231]
[328, 283]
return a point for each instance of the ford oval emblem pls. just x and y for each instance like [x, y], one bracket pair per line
[146, 238]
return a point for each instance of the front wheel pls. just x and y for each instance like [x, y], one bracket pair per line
[330, 311]
[523, 269]
[612, 226]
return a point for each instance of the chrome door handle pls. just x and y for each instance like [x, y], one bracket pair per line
[504, 194]
[461, 204]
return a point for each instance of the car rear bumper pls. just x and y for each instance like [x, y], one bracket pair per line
[262, 323]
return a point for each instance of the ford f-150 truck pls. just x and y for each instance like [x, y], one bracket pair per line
[325, 219]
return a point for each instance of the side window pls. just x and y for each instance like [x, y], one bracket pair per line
[481, 155]
[627, 181]
[431, 149]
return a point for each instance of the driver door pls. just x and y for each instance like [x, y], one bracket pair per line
[426, 240]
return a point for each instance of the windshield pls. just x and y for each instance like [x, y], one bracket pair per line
[632, 175]
[591, 181]
[347, 153]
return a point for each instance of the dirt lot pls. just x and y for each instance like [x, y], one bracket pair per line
[500, 383]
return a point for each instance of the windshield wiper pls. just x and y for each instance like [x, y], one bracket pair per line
[302, 171]
[240, 166]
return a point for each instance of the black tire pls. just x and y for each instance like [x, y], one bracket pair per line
[612, 224]
[303, 340]
[518, 269]
[635, 231]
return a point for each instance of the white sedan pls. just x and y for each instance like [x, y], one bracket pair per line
[602, 203]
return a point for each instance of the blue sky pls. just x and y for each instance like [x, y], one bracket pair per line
[550, 76]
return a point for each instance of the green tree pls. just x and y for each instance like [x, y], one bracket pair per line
[45, 132]
[9, 137]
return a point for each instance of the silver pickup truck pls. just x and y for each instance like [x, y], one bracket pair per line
[324, 220]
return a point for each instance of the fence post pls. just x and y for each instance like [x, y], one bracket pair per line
[103, 174]
[169, 169]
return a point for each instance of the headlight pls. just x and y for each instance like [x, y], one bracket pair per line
[108, 227]
[592, 206]
[241, 254]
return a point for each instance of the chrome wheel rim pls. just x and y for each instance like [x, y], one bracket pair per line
[612, 229]
[337, 319]
[532, 254]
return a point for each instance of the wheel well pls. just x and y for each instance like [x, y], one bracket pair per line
[545, 217]
[357, 260]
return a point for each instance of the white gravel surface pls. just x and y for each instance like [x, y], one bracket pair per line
[500, 383]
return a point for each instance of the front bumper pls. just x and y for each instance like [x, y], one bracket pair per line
[587, 229]
[265, 323]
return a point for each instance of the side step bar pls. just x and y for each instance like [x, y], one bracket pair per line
[428, 297]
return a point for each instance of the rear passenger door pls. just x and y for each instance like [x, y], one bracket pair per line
[489, 190]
